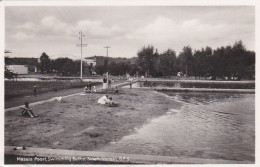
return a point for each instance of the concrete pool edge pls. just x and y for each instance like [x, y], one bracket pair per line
[106, 157]
[200, 81]
[251, 91]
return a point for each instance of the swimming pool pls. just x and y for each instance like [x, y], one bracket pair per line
[209, 125]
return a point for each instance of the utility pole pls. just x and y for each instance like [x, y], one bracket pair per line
[81, 45]
[107, 47]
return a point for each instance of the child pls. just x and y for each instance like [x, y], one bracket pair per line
[27, 111]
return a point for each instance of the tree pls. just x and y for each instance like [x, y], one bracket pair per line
[230, 61]
[185, 60]
[119, 68]
[146, 60]
[45, 64]
[9, 74]
[201, 64]
[66, 66]
[167, 63]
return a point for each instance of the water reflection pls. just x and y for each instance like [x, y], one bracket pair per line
[218, 126]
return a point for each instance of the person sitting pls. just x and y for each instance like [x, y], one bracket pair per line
[27, 111]
[111, 103]
[108, 101]
[87, 90]
[103, 100]
[89, 85]
[94, 89]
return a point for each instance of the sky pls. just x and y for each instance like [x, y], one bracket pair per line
[31, 30]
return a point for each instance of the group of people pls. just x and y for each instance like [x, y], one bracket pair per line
[89, 89]
[106, 100]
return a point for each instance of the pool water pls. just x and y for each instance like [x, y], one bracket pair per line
[209, 125]
[212, 85]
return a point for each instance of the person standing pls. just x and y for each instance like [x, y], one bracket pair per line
[104, 82]
[130, 80]
[34, 90]
[109, 83]
[130, 84]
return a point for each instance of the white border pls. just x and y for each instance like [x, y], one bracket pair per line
[2, 37]
[129, 3]
[5, 3]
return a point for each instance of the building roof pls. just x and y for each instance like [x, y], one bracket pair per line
[21, 61]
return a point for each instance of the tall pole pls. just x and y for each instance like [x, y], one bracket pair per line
[81, 55]
[81, 51]
[107, 47]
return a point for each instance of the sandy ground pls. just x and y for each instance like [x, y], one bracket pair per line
[80, 123]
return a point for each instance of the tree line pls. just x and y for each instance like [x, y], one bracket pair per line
[68, 67]
[224, 62]
[62, 66]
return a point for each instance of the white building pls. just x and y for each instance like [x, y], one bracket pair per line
[91, 60]
[19, 69]
[22, 65]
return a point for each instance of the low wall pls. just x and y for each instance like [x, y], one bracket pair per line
[197, 81]
[198, 84]
[201, 90]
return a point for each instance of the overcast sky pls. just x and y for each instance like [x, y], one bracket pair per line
[55, 30]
